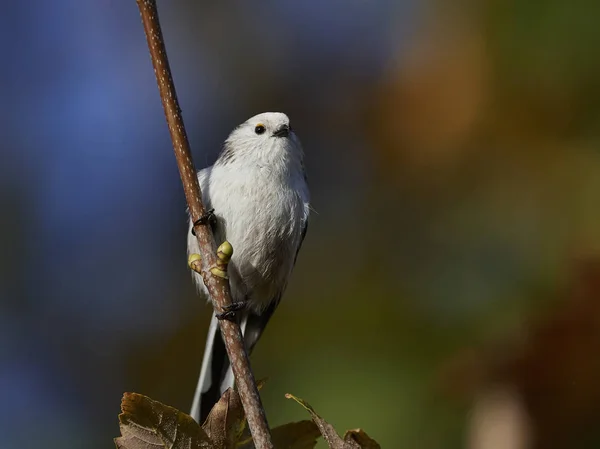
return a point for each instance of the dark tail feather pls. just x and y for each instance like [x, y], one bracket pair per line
[214, 363]
[216, 375]
[256, 323]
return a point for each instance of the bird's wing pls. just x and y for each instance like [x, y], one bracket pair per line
[256, 322]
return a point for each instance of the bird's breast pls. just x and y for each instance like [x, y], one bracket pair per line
[262, 219]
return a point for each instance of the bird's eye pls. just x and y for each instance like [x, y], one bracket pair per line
[260, 128]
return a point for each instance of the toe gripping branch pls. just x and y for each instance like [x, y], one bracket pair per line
[229, 310]
[207, 218]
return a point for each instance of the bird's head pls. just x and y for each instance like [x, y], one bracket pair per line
[265, 139]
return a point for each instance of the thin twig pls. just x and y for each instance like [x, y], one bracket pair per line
[217, 286]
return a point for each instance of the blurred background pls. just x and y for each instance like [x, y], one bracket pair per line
[447, 294]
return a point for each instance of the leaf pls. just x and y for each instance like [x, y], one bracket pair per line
[226, 421]
[329, 434]
[296, 435]
[353, 439]
[360, 437]
[149, 424]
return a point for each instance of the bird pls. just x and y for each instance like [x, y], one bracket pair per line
[258, 195]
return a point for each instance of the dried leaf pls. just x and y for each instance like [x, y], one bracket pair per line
[296, 435]
[226, 421]
[244, 440]
[148, 424]
[329, 434]
[353, 439]
[360, 437]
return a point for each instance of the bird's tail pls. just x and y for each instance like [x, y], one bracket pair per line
[214, 362]
[216, 375]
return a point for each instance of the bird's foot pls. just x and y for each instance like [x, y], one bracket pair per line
[208, 217]
[230, 309]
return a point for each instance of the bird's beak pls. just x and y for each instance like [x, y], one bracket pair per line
[282, 131]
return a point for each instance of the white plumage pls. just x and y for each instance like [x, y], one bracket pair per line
[260, 198]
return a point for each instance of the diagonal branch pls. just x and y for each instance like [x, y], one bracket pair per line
[217, 286]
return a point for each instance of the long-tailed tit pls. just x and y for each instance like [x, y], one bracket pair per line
[258, 190]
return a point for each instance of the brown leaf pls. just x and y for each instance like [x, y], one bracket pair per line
[296, 435]
[226, 421]
[360, 437]
[333, 439]
[244, 439]
[148, 424]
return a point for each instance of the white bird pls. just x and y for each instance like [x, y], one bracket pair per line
[258, 190]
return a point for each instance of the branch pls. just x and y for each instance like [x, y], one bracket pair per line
[217, 286]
